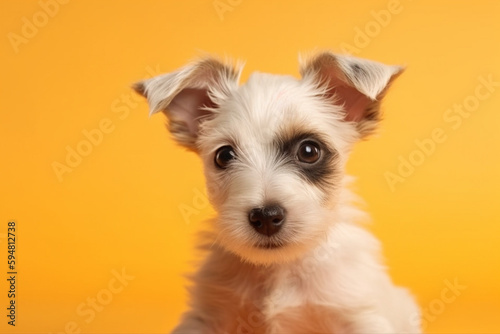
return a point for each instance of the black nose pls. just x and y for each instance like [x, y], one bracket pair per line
[267, 220]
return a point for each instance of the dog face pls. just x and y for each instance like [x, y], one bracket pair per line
[274, 149]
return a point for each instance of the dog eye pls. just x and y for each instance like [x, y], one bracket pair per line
[223, 156]
[309, 152]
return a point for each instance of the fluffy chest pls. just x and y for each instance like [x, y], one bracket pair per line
[294, 299]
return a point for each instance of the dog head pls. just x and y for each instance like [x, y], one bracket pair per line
[274, 148]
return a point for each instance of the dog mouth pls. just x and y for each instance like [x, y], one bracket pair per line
[269, 245]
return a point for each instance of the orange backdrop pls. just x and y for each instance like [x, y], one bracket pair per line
[106, 206]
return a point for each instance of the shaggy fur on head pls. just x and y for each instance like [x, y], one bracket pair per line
[281, 143]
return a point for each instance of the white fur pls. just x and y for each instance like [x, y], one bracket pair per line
[327, 276]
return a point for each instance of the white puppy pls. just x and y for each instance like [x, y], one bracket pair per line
[286, 255]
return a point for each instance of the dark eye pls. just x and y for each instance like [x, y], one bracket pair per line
[309, 152]
[223, 156]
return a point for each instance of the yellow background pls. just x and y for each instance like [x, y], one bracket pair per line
[120, 207]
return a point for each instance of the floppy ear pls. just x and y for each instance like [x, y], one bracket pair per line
[189, 95]
[356, 84]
